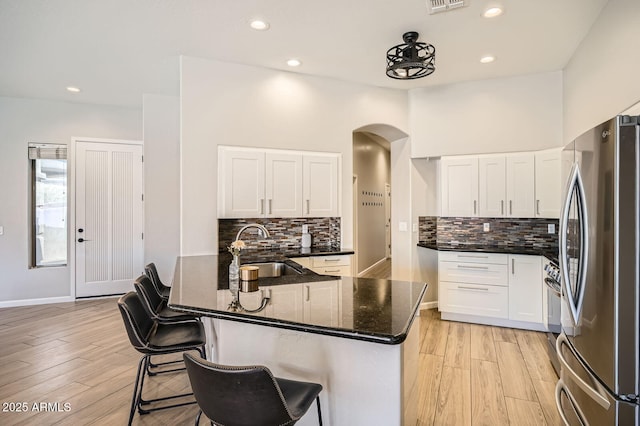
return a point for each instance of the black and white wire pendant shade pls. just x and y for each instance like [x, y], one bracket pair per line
[411, 59]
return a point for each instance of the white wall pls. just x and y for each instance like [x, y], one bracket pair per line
[500, 115]
[161, 133]
[602, 78]
[24, 121]
[230, 104]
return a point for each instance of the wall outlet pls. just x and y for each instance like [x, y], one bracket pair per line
[486, 227]
[551, 228]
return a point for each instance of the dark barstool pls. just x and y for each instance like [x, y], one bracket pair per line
[248, 395]
[151, 337]
[156, 305]
[151, 271]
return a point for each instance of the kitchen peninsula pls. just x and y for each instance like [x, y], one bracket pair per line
[355, 336]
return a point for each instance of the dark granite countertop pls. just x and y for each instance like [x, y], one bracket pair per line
[509, 249]
[374, 310]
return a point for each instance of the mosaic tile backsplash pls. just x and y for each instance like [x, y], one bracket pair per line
[504, 231]
[285, 232]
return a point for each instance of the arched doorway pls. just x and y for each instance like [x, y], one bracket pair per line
[372, 198]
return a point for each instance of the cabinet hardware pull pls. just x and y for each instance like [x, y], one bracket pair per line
[513, 266]
[473, 288]
[331, 260]
[332, 270]
[261, 205]
[307, 206]
[475, 256]
[270, 210]
[472, 267]
[538, 207]
[510, 207]
[474, 206]
[306, 287]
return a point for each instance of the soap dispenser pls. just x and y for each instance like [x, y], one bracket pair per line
[306, 236]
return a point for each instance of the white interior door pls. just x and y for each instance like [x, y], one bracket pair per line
[109, 217]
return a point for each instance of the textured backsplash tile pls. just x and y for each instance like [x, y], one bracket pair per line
[285, 232]
[503, 231]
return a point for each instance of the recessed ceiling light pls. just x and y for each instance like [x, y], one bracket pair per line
[492, 12]
[294, 63]
[487, 59]
[73, 89]
[260, 25]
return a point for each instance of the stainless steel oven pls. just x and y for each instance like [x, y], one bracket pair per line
[553, 286]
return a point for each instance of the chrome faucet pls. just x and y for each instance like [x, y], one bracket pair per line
[262, 231]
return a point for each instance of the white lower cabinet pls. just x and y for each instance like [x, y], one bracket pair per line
[285, 302]
[525, 288]
[339, 265]
[503, 289]
[321, 303]
[472, 299]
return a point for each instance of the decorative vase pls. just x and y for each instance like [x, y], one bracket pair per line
[234, 273]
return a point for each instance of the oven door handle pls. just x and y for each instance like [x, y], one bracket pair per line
[599, 394]
[552, 288]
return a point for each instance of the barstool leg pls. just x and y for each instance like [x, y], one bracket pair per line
[319, 412]
[134, 398]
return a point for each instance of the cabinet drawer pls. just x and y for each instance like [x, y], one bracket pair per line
[325, 261]
[473, 257]
[343, 271]
[474, 273]
[472, 299]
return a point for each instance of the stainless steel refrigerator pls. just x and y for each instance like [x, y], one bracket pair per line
[599, 346]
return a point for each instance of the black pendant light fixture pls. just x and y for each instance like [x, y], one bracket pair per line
[411, 59]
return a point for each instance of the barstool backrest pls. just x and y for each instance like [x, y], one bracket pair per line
[237, 395]
[136, 320]
[148, 292]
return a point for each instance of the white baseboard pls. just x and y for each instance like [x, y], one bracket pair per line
[499, 322]
[379, 262]
[429, 305]
[29, 302]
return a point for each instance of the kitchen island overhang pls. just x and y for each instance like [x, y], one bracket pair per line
[355, 336]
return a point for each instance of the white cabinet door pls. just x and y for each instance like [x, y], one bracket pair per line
[285, 302]
[320, 185]
[492, 186]
[459, 186]
[520, 185]
[321, 303]
[283, 185]
[549, 185]
[525, 288]
[242, 184]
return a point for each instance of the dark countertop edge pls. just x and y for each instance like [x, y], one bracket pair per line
[321, 253]
[308, 328]
[535, 251]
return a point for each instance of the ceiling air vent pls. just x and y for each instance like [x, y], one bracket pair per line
[436, 6]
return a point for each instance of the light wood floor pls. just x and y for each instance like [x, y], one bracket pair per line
[382, 270]
[78, 353]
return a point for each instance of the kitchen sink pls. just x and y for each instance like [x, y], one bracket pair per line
[274, 269]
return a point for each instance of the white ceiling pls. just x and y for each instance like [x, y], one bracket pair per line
[116, 50]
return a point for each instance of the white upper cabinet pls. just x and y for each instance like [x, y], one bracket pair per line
[492, 186]
[276, 183]
[549, 183]
[283, 189]
[320, 185]
[241, 178]
[520, 185]
[459, 190]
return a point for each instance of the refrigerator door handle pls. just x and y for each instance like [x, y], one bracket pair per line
[575, 185]
[599, 394]
[561, 388]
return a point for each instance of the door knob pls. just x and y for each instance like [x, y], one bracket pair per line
[80, 230]
[82, 240]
